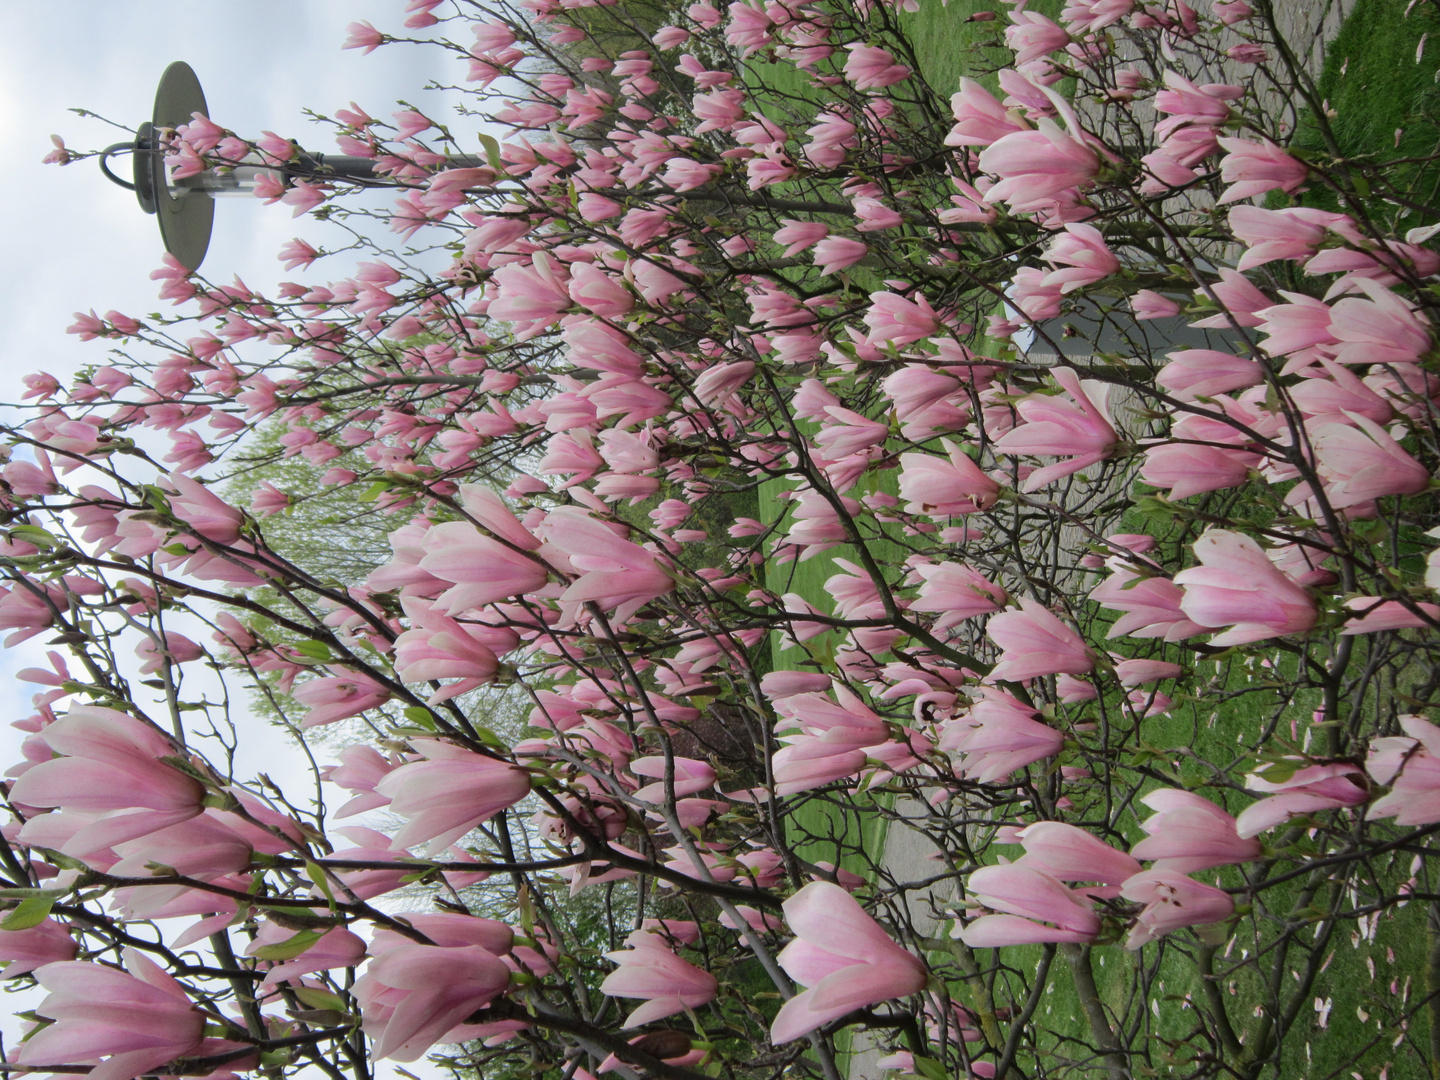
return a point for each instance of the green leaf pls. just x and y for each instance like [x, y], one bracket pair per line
[317, 874]
[930, 1068]
[492, 152]
[420, 715]
[290, 948]
[33, 534]
[315, 650]
[314, 997]
[28, 913]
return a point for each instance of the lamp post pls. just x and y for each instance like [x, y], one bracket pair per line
[185, 206]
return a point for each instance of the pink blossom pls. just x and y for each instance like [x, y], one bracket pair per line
[1379, 614]
[1253, 168]
[1051, 427]
[1172, 901]
[997, 737]
[448, 793]
[361, 35]
[47, 942]
[413, 996]
[836, 253]
[1382, 328]
[1196, 373]
[1409, 765]
[1189, 833]
[1032, 905]
[1033, 642]
[1037, 168]
[1235, 585]
[1087, 16]
[1151, 305]
[481, 570]
[1359, 462]
[111, 762]
[614, 573]
[339, 697]
[96, 1010]
[598, 292]
[1068, 853]
[1083, 254]
[871, 68]
[899, 321]
[649, 970]
[1306, 790]
[843, 957]
[797, 236]
[1034, 37]
[980, 119]
[955, 592]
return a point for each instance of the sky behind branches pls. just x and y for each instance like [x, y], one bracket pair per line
[74, 241]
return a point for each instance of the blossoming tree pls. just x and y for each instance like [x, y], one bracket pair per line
[1106, 416]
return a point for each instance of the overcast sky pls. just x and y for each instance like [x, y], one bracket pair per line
[74, 241]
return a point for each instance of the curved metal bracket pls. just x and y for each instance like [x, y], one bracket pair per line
[105, 154]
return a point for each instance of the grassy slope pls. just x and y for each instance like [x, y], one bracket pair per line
[1380, 84]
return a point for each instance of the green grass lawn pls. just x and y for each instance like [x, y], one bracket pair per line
[1379, 83]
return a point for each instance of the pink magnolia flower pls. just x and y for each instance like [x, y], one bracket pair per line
[336, 948]
[649, 970]
[871, 68]
[1189, 833]
[1148, 304]
[1034, 37]
[1253, 168]
[1359, 462]
[797, 236]
[614, 573]
[598, 292]
[843, 957]
[1071, 854]
[1172, 901]
[941, 487]
[1188, 469]
[1238, 587]
[361, 35]
[690, 776]
[137, 1021]
[47, 942]
[1377, 613]
[1036, 168]
[955, 592]
[1410, 765]
[111, 763]
[980, 119]
[1304, 791]
[339, 697]
[1032, 905]
[482, 570]
[1382, 328]
[1149, 606]
[1033, 642]
[1052, 428]
[448, 793]
[893, 318]
[1194, 373]
[998, 736]
[437, 647]
[835, 253]
[412, 996]
[1083, 254]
